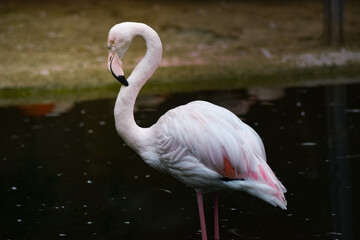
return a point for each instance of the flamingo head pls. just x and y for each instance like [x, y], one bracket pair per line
[118, 43]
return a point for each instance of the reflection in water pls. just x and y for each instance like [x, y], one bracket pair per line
[37, 109]
[66, 174]
[338, 152]
[46, 109]
[267, 94]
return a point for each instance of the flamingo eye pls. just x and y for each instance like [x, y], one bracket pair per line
[111, 44]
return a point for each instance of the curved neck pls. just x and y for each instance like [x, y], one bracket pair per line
[124, 107]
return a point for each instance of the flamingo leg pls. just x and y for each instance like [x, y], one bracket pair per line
[199, 197]
[216, 216]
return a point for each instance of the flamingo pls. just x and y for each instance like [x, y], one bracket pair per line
[203, 145]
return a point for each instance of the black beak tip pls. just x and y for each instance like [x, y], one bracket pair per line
[122, 80]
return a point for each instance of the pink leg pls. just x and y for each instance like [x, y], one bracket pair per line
[199, 197]
[216, 216]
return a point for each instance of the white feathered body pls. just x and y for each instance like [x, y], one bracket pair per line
[210, 149]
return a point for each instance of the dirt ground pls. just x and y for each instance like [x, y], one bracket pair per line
[63, 44]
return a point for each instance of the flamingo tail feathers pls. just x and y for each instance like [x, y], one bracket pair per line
[260, 190]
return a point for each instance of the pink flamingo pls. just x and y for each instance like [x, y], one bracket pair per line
[201, 144]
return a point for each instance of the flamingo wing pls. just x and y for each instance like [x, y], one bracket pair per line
[213, 135]
[201, 143]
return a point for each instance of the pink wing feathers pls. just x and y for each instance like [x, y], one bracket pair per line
[201, 143]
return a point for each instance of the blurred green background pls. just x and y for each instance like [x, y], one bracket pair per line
[60, 46]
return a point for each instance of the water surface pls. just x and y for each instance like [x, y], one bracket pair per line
[66, 174]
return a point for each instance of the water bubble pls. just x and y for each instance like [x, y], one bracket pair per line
[13, 137]
[53, 114]
[165, 190]
[309, 144]
[354, 110]
[37, 126]
[335, 233]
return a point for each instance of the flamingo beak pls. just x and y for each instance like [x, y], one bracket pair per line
[121, 78]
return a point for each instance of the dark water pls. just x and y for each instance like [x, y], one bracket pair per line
[65, 173]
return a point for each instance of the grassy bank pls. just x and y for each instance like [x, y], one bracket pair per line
[54, 48]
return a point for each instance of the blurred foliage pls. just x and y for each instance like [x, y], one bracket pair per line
[62, 44]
